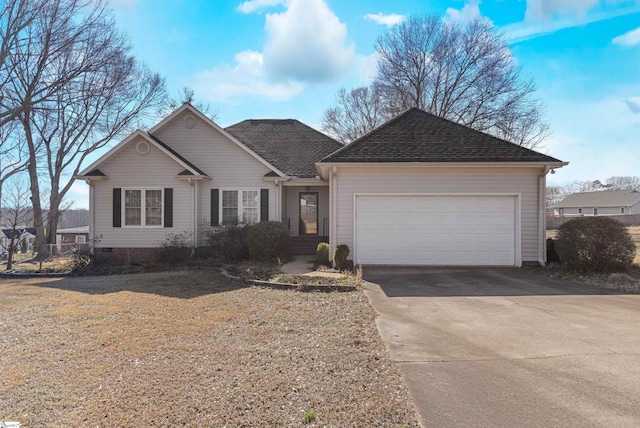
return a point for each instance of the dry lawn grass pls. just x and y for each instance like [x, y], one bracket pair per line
[190, 349]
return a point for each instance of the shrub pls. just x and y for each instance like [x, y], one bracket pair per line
[340, 255]
[229, 243]
[596, 244]
[81, 260]
[322, 254]
[175, 248]
[269, 241]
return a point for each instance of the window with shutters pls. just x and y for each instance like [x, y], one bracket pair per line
[240, 206]
[142, 207]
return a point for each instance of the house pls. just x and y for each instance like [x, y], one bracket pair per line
[19, 234]
[417, 190]
[72, 235]
[607, 202]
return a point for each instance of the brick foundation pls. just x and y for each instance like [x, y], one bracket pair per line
[124, 255]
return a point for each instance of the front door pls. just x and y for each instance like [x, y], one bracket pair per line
[309, 213]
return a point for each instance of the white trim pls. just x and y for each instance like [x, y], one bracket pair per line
[306, 182]
[205, 119]
[125, 142]
[240, 207]
[324, 167]
[143, 219]
[517, 212]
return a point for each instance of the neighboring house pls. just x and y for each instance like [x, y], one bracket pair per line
[20, 234]
[417, 190]
[606, 202]
[72, 235]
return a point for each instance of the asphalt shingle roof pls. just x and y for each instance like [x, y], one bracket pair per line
[606, 198]
[418, 136]
[287, 144]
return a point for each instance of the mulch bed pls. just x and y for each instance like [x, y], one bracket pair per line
[192, 349]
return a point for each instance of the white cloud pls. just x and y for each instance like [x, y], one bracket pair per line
[546, 9]
[306, 42]
[531, 28]
[634, 104]
[630, 38]
[246, 77]
[254, 5]
[389, 20]
[468, 13]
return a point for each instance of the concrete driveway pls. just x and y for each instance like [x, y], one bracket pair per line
[509, 348]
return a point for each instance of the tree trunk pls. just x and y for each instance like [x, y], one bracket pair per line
[42, 248]
[10, 252]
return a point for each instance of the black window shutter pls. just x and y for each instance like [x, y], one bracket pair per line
[215, 205]
[117, 207]
[168, 207]
[264, 204]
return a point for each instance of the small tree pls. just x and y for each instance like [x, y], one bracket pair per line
[15, 215]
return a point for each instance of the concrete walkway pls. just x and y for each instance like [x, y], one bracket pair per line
[298, 265]
[510, 348]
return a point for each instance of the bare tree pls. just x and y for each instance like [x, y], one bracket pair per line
[15, 216]
[623, 183]
[187, 95]
[101, 92]
[16, 16]
[461, 72]
[357, 112]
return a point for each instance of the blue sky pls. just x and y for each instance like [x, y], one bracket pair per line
[288, 58]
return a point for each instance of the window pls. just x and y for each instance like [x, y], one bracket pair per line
[135, 205]
[595, 211]
[561, 211]
[81, 239]
[622, 210]
[579, 210]
[240, 206]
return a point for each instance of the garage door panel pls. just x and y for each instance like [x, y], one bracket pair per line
[435, 230]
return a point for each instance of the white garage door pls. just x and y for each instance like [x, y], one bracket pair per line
[435, 230]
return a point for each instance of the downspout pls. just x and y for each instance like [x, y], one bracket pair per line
[333, 181]
[542, 217]
[195, 215]
[92, 213]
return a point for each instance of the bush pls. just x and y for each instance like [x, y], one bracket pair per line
[229, 243]
[596, 244]
[176, 248]
[322, 254]
[269, 241]
[81, 260]
[340, 255]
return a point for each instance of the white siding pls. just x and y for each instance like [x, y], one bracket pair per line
[225, 162]
[292, 210]
[130, 169]
[410, 179]
[635, 209]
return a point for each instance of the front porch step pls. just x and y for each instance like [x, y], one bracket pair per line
[307, 244]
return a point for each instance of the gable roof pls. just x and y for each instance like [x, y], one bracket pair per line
[418, 136]
[93, 171]
[18, 232]
[605, 198]
[288, 144]
[205, 119]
